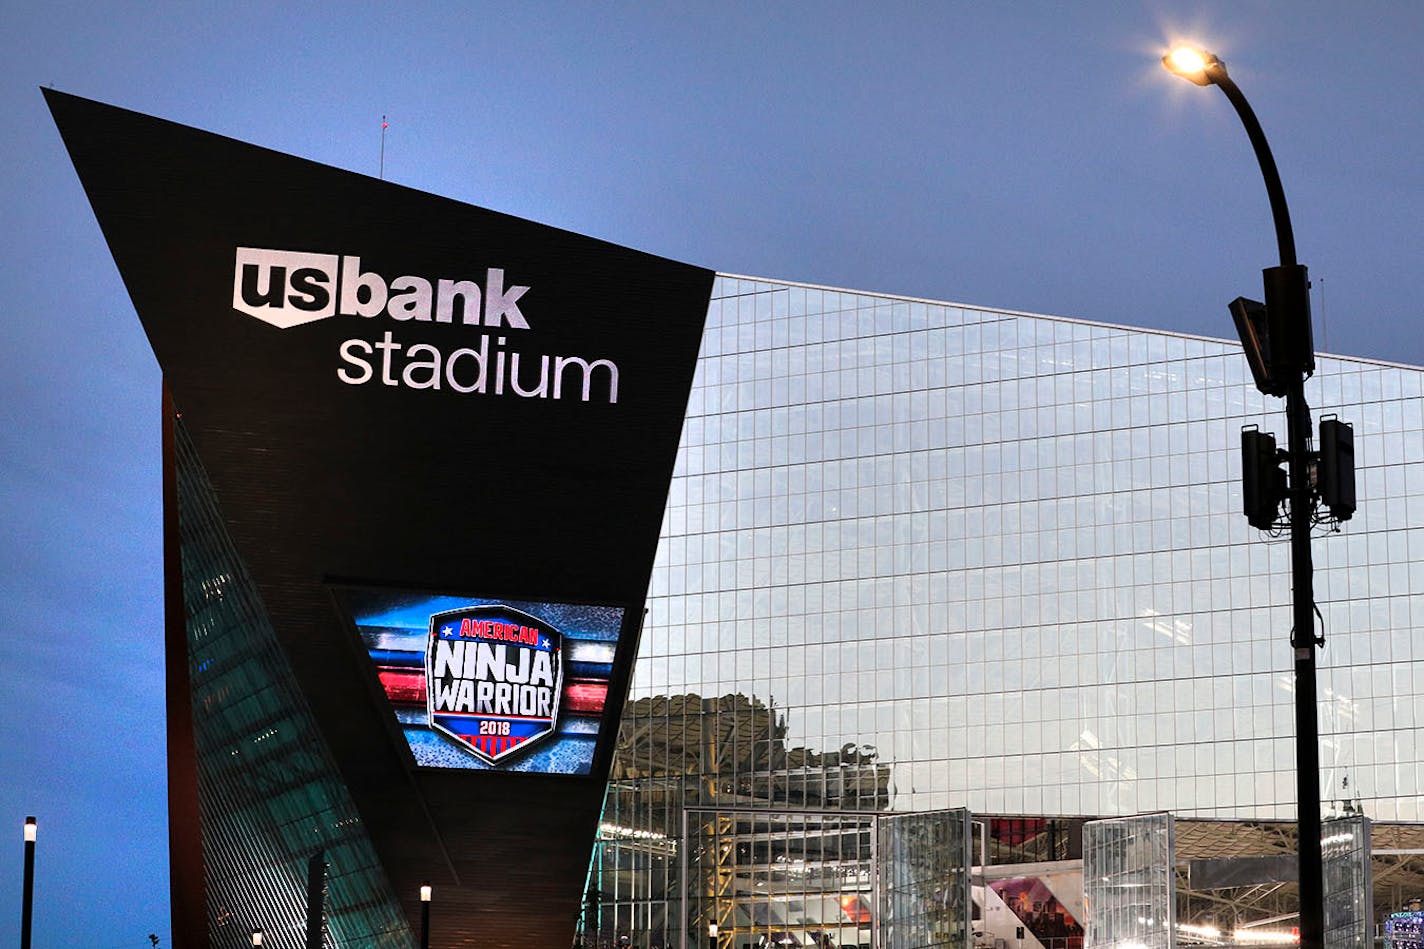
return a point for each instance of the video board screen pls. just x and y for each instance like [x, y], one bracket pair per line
[490, 684]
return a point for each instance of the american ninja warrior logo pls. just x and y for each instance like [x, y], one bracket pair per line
[493, 679]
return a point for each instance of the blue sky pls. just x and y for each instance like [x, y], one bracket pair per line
[1027, 155]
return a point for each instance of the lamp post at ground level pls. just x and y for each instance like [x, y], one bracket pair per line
[1283, 367]
[28, 899]
[425, 894]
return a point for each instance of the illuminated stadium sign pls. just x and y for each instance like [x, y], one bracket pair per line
[291, 288]
[287, 288]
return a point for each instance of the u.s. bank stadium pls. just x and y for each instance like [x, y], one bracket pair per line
[833, 619]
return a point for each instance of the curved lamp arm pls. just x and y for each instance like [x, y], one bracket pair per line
[1204, 69]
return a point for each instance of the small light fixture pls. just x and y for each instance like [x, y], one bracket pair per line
[31, 829]
[257, 937]
[426, 892]
[712, 930]
[1194, 65]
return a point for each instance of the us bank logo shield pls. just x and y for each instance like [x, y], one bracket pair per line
[493, 677]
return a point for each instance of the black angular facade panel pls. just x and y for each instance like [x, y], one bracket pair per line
[393, 402]
[270, 798]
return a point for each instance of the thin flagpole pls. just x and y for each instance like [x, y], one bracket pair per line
[384, 125]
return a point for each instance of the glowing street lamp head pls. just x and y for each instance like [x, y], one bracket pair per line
[1193, 64]
[30, 830]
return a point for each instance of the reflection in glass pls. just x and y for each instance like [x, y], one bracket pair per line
[1004, 552]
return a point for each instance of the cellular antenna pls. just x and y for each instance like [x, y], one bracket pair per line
[381, 173]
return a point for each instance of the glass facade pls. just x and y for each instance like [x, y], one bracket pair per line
[919, 556]
[1129, 882]
[1348, 883]
[779, 877]
[923, 861]
[270, 798]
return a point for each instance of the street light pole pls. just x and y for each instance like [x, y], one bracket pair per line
[1295, 359]
[425, 894]
[28, 900]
